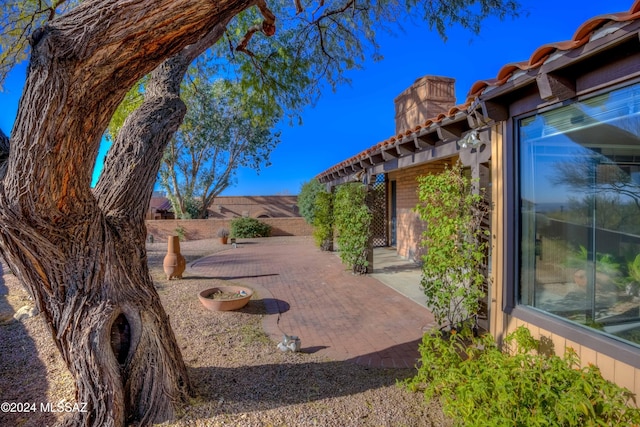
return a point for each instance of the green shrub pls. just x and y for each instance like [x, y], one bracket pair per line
[249, 227]
[316, 207]
[323, 221]
[353, 222]
[180, 232]
[307, 200]
[481, 385]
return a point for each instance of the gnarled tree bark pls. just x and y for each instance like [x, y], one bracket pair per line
[81, 252]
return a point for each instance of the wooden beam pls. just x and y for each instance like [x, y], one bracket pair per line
[376, 158]
[406, 148]
[366, 162]
[453, 130]
[495, 111]
[390, 153]
[445, 134]
[553, 87]
[356, 167]
[426, 140]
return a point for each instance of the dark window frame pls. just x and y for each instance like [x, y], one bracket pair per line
[618, 350]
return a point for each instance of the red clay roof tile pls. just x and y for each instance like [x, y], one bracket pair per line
[537, 58]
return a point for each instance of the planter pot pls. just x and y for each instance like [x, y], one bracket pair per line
[225, 304]
[224, 240]
[174, 263]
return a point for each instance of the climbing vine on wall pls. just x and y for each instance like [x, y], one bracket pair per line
[353, 223]
[452, 276]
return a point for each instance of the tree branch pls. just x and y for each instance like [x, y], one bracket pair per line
[52, 9]
[268, 27]
[126, 184]
[81, 67]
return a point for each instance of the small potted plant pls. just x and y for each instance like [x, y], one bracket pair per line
[223, 234]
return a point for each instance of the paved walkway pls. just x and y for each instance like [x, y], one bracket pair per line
[309, 293]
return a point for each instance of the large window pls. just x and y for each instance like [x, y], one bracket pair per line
[579, 190]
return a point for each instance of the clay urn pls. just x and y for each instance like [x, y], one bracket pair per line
[174, 263]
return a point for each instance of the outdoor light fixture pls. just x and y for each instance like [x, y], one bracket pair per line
[470, 140]
[360, 176]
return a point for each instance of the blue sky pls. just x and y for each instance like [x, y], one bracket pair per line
[359, 116]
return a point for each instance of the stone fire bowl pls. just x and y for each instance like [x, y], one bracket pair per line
[225, 304]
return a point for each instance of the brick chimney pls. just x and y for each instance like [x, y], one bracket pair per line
[427, 97]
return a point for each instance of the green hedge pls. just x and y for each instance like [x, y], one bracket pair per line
[353, 223]
[323, 221]
[307, 202]
[481, 385]
[249, 227]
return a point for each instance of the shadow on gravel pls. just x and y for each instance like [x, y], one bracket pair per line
[390, 356]
[20, 365]
[279, 385]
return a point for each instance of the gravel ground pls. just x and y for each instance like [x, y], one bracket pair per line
[240, 377]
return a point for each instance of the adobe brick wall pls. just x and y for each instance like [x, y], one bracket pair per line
[196, 229]
[409, 227]
[224, 207]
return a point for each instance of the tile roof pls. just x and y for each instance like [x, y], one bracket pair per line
[160, 204]
[582, 36]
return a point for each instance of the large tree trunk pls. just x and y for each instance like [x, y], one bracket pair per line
[81, 252]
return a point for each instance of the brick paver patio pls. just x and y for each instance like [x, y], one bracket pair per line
[310, 294]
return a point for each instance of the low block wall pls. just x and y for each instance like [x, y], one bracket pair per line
[196, 229]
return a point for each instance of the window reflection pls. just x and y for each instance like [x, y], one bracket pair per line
[580, 213]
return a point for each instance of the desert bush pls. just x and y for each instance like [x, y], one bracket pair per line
[249, 228]
[323, 221]
[353, 223]
[482, 385]
[307, 199]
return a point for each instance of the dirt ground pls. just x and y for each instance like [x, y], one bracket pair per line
[239, 375]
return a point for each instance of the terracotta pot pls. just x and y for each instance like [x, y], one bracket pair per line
[226, 304]
[224, 240]
[174, 263]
